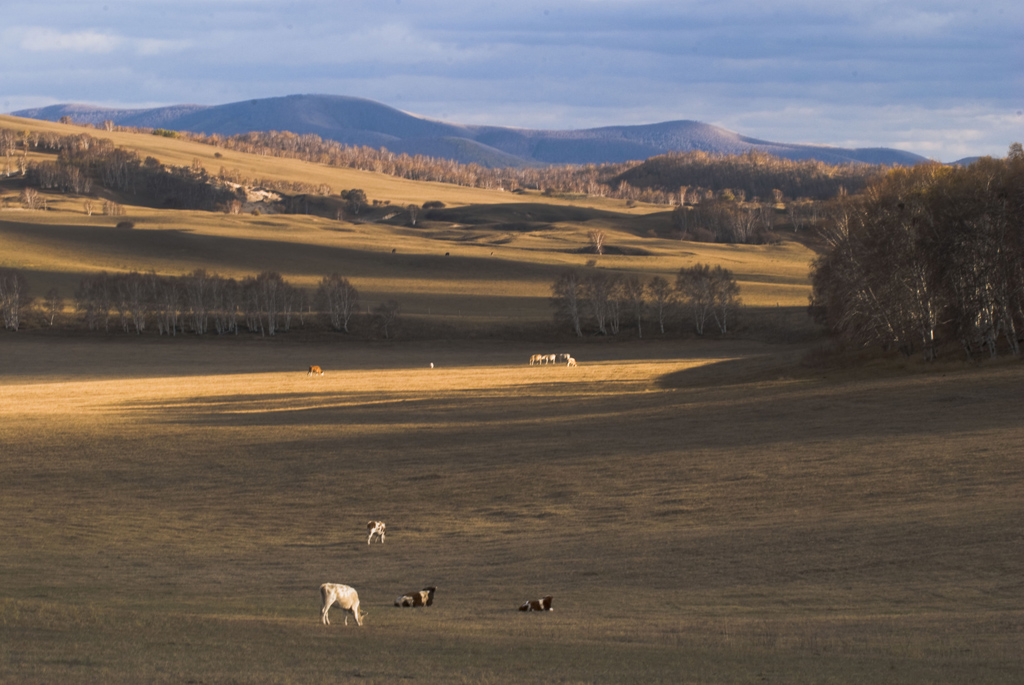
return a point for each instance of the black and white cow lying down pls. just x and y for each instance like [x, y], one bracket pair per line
[537, 605]
[422, 598]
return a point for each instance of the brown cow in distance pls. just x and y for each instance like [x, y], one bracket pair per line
[423, 598]
[315, 371]
[537, 605]
[375, 528]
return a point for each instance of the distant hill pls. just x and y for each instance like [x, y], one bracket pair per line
[356, 121]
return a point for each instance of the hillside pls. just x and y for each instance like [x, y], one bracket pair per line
[356, 121]
[485, 261]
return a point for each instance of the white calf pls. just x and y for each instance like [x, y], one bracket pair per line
[375, 528]
[343, 596]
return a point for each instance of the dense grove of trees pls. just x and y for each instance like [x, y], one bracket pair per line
[198, 303]
[753, 174]
[83, 161]
[604, 302]
[722, 219]
[929, 255]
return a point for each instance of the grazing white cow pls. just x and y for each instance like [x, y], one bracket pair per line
[342, 595]
[375, 528]
[537, 605]
[315, 371]
[536, 359]
[571, 362]
[552, 358]
[423, 598]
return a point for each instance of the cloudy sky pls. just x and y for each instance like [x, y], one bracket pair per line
[940, 78]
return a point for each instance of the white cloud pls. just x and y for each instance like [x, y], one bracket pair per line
[38, 39]
[154, 46]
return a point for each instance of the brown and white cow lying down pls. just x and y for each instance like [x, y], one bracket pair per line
[343, 596]
[375, 528]
[315, 371]
[424, 597]
[537, 605]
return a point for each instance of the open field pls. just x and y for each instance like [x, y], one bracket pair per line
[701, 513]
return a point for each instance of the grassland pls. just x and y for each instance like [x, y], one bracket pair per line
[169, 511]
[702, 511]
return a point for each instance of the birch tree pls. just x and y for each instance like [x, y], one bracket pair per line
[567, 299]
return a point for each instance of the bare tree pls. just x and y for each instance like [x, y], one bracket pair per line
[53, 306]
[597, 289]
[567, 298]
[597, 240]
[616, 302]
[635, 292]
[199, 294]
[662, 297]
[725, 297]
[135, 299]
[111, 208]
[167, 302]
[385, 318]
[94, 300]
[696, 290]
[13, 297]
[338, 300]
[30, 198]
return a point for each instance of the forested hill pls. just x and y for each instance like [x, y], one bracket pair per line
[356, 121]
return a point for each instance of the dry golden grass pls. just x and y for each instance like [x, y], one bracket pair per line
[170, 509]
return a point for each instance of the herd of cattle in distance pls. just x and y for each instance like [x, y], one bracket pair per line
[552, 359]
[348, 599]
[534, 359]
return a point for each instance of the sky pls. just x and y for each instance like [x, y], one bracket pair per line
[939, 78]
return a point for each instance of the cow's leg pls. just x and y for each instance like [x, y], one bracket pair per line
[323, 614]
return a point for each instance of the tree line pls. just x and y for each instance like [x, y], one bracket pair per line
[204, 303]
[604, 302]
[926, 256]
[197, 303]
[664, 179]
[752, 174]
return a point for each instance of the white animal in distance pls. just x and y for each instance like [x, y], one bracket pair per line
[342, 595]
